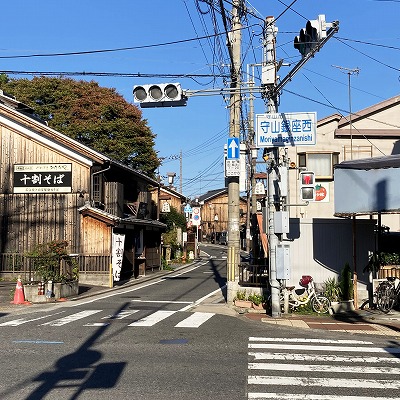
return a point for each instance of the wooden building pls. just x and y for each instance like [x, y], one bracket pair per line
[166, 197]
[55, 188]
[214, 213]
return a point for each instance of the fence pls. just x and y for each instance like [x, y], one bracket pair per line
[14, 264]
[253, 275]
[389, 270]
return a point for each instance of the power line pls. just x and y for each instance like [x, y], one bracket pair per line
[110, 74]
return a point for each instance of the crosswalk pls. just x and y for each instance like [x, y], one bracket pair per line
[318, 369]
[95, 318]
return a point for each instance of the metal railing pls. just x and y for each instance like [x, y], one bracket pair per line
[253, 275]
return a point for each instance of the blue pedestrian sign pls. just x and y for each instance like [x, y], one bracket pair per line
[233, 149]
[187, 209]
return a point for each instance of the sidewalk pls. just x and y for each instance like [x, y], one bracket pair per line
[372, 322]
[359, 321]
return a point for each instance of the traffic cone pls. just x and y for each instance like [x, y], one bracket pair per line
[19, 297]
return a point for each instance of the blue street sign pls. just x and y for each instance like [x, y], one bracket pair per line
[187, 209]
[233, 149]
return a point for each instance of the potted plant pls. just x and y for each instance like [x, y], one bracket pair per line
[257, 301]
[47, 261]
[332, 290]
[340, 292]
[241, 299]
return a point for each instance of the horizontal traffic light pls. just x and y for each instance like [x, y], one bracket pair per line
[159, 95]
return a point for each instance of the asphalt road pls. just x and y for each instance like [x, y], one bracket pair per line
[163, 340]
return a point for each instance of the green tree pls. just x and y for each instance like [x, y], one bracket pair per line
[173, 219]
[95, 116]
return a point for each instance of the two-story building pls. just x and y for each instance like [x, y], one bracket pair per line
[321, 242]
[55, 188]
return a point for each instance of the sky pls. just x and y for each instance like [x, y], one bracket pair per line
[179, 41]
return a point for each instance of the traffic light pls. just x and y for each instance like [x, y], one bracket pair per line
[309, 37]
[307, 186]
[159, 95]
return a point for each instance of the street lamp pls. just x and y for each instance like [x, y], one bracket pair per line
[171, 176]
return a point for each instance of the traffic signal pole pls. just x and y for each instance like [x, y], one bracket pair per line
[233, 257]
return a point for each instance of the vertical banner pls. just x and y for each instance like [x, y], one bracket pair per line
[118, 242]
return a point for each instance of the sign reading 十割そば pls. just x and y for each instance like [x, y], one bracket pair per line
[286, 129]
[42, 178]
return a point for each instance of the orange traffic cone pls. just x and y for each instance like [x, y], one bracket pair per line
[19, 297]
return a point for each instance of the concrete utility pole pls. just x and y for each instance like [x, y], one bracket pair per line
[233, 259]
[269, 79]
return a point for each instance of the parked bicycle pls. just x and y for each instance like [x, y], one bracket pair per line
[297, 297]
[388, 294]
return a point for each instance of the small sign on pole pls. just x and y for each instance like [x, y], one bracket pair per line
[232, 167]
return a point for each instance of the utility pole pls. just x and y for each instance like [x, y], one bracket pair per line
[269, 80]
[234, 47]
[180, 172]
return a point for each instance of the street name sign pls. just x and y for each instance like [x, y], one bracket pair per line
[286, 129]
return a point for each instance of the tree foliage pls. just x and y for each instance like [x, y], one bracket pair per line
[173, 219]
[95, 116]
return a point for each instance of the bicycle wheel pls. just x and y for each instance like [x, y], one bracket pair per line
[320, 304]
[385, 296]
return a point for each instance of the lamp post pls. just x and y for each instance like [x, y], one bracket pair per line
[171, 176]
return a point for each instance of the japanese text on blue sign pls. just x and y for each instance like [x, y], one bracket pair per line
[286, 129]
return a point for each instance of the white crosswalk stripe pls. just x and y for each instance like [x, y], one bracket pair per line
[71, 318]
[314, 369]
[194, 320]
[153, 319]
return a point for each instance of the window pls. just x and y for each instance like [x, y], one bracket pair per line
[320, 163]
[97, 189]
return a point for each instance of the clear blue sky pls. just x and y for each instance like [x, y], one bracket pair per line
[368, 39]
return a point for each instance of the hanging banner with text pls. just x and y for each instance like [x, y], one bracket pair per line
[286, 129]
[118, 243]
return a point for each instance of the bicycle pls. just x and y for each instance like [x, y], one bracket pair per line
[297, 297]
[388, 294]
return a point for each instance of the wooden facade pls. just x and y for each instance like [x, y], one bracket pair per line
[214, 212]
[54, 188]
[163, 195]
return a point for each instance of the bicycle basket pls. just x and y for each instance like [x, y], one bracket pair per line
[305, 280]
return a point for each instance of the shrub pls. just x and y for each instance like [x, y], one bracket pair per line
[241, 295]
[332, 290]
[46, 259]
[346, 283]
[255, 298]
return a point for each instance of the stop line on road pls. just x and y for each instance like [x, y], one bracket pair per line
[317, 369]
[194, 320]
